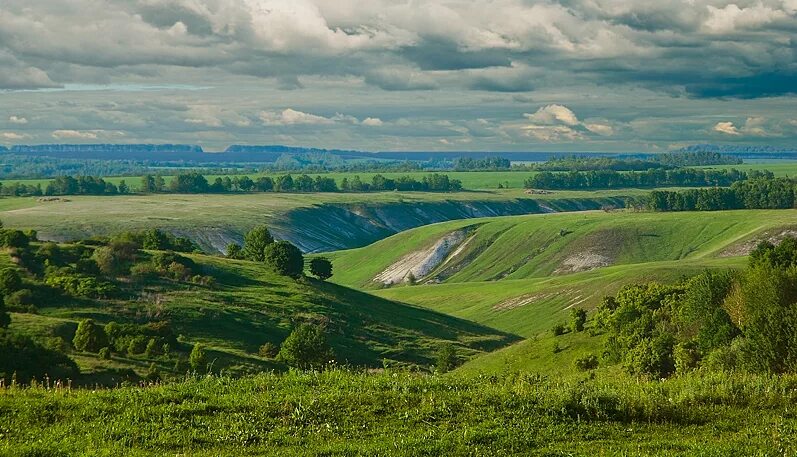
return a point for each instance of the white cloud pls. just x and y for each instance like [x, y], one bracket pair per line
[552, 133]
[600, 129]
[13, 136]
[373, 122]
[75, 135]
[17, 120]
[291, 116]
[727, 128]
[731, 17]
[554, 114]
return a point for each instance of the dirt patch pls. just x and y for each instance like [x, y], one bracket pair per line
[583, 261]
[523, 300]
[52, 200]
[420, 263]
[744, 248]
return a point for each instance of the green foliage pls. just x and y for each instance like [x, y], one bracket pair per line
[234, 251]
[156, 239]
[558, 329]
[13, 238]
[446, 358]
[268, 350]
[321, 268]
[105, 353]
[586, 363]
[306, 348]
[116, 258]
[79, 285]
[578, 317]
[611, 179]
[89, 337]
[284, 258]
[10, 281]
[255, 243]
[23, 359]
[198, 358]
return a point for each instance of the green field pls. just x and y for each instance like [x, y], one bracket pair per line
[339, 413]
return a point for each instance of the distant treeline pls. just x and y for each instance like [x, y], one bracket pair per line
[761, 193]
[610, 179]
[652, 161]
[66, 185]
[487, 163]
[196, 183]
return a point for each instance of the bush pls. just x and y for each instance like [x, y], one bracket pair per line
[269, 350]
[89, 337]
[21, 301]
[558, 329]
[198, 358]
[22, 357]
[153, 348]
[687, 356]
[137, 345]
[652, 357]
[285, 258]
[105, 353]
[578, 317]
[446, 358]
[10, 281]
[234, 251]
[306, 347]
[588, 362]
[144, 270]
[321, 267]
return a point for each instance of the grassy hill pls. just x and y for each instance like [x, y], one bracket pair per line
[539, 246]
[248, 306]
[312, 221]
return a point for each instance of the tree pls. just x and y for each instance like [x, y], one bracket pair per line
[321, 267]
[10, 281]
[446, 358]
[285, 258]
[306, 348]
[255, 242]
[198, 358]
[234, 251]
[578, 317]
[90, 337]
[5, 319]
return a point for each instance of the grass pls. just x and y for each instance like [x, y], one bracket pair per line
[250, 306]
[539, 246]
[342, 413]
[215, 220]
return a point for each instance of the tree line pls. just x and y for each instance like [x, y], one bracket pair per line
[641, 163]
[197, 183]
[610, 179]
[761, 193]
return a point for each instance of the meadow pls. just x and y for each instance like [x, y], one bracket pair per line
[396, 413]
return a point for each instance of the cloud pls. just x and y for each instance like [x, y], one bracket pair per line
[373, 122]
[13, 136]
[554, 114]
[292, 117]
[75, 135]
[727, 128]
[17, 120]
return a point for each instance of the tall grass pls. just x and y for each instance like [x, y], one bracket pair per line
[397, 413]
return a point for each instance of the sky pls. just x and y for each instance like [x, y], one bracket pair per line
[487, 75]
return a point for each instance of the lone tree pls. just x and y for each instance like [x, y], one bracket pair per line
[446, 358]
[578, 318]
[255, 242]
[198, 359]
[306, 347]
[285, 258]
[90, 337]
[321, 267]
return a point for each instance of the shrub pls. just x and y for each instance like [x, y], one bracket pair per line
[558, 329]
[105, 353]
[21, 301]
[23, 358]
[652, 357]
[234, 251]
[144, 270]
[137, 345]
[10, 281]
[284, 258]
[153, 348]
[556, 348]
[588, 362]
[578, 317]
[89, 337]
[268, 350]
[686, 356]
[198, 358]
[321, 267]
[306, 347]
[446, 358]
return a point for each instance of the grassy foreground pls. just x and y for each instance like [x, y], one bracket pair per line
[340, 413]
